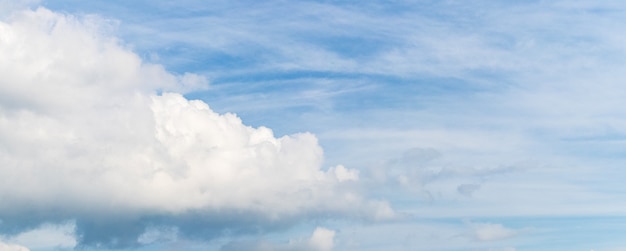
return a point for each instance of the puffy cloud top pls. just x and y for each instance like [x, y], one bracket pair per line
[90, 132]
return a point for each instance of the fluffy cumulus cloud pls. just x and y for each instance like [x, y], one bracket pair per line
[89, 132]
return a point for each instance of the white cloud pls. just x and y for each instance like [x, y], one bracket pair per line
[12, 247]
[343, 174]
[491, 232]
[48, 236]
[322, 239]
[85, 133]
[154, 234]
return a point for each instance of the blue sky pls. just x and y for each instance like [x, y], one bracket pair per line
[320, 125]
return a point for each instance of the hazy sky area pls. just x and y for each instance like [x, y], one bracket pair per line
[312, 125]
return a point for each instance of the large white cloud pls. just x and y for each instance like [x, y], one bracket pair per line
[89, 131]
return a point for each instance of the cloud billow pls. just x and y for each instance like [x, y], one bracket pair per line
[89, 132]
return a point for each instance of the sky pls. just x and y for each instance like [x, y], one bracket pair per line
[312, 125]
